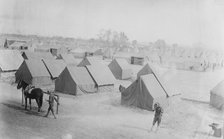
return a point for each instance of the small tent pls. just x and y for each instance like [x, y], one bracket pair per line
[90, 61]
[54, 67]
[120, 69]
[102, 76]
[144, 93]
[37, 55]
[75, 80]
[33, 72]
[69, 59]
[217, 96]
[10, 60]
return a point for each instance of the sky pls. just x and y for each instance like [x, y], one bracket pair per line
[176, 21]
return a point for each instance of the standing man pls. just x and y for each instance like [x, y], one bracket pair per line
[51, 104]
[158, 115]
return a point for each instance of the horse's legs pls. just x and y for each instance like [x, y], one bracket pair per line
[30, 103]
[38, 104]
[25, 103]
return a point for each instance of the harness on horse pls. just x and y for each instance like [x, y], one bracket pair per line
[29, 88]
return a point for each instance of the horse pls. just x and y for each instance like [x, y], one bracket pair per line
[121, 88]
[35, 93]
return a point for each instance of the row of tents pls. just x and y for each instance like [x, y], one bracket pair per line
[89, 75]
[67, 78]
[93, 75]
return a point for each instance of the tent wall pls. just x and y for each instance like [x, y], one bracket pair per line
[116, 70]
[74, 80]
[126, 74]
[129, 96]
[145, 100]
[138, 94]
[41, 81]
[24, 74]
[217, 101]
[65, 84]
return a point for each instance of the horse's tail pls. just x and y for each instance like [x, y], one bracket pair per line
[41, 100]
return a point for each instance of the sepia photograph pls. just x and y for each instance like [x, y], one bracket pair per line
[111, 69]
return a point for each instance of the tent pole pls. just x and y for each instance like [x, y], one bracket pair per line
[160, 84]
[22, 96]
[57, 104]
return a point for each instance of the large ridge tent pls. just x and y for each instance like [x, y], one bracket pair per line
[102, 76]
[10, 60]
[217, 96]
[144, 93]
[75, 80]
[33, 72]
[37, 55]
[54, 67]
[69, 59]
[120, 69]
[90, 61]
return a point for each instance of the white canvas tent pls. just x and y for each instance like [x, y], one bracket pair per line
[120, 69]
[75, 80]
[33, 72]
[144, 92]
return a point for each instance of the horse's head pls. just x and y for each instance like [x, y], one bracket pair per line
[22, 84]
[19, 85]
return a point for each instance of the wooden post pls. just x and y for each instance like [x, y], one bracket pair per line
[22, 96]
[57, 104]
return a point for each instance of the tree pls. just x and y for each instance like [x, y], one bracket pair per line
[117, 39]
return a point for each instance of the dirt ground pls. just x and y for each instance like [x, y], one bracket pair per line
[100, 115]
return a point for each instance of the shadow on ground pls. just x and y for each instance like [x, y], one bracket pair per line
[20, 108]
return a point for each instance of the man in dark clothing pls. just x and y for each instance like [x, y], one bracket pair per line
[51, 104]
[158, 115]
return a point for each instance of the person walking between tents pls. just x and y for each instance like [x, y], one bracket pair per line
[51, 104]
[158, 115]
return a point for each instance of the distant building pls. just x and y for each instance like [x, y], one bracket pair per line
[16, 44]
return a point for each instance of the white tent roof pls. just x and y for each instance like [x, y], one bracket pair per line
[10, 60]
[101, 74]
